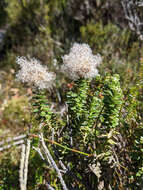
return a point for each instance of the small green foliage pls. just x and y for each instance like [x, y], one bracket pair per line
[77, 101]
[95, 104]
[41, 108]
[113, 99]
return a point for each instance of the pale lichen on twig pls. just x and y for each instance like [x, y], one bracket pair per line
[49, 157]
[12, 141]
[23, 172]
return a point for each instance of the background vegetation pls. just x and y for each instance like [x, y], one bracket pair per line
[46, 29]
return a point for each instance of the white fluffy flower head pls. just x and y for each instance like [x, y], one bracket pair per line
[33, 73]
[80, 62]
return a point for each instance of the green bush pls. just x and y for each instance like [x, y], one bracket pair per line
[101, 123]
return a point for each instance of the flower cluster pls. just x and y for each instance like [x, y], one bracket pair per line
[32, 72]
[80, 62]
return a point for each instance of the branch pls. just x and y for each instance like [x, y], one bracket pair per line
[49, 187]
[129, 7]
[10, 145]
[64, 147]
[24, 165]
[9, 142]
[49, 156]
[139, 4]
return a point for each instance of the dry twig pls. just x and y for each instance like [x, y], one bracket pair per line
[130, 10]
[49, 157]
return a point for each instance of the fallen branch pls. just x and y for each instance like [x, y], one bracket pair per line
[12, 141]
[49, 157]
[23, 172]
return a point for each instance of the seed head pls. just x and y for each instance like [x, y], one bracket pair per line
[80, 62]
[33, 73]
